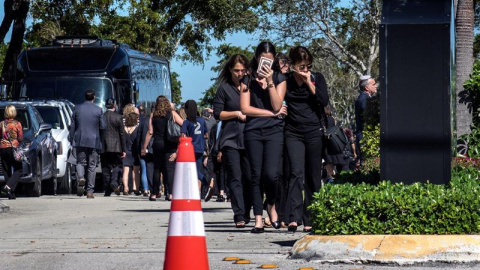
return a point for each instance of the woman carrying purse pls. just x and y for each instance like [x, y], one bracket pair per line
[12, 135]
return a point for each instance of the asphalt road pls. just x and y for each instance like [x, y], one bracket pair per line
[129, 232]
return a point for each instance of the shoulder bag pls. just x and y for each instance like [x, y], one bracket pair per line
[173, 130]
[335, 140]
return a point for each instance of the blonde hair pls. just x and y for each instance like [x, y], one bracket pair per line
[182, 113]
[128, 109]
[10, 112]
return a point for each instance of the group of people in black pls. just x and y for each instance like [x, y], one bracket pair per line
[271, 137]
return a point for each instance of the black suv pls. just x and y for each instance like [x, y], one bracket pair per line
[40, 150]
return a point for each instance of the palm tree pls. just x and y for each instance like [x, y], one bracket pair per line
[464, 23]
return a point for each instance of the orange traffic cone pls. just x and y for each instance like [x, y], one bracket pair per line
[186, 244]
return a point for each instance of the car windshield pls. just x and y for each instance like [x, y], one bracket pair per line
[22, 117]
[72, 89]
[51, 115]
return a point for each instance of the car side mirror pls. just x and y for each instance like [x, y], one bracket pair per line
[43, 127]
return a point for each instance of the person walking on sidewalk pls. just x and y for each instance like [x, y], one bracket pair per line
[230, 142]
[87, 121]
[114, 149]
[194, 126]
[261, 97]
[164, 150]
[306, 97]
[12, 135]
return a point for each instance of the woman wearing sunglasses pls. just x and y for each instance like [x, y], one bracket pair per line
[261, 99]
[306, 97]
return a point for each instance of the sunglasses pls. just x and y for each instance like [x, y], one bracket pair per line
[302, 67]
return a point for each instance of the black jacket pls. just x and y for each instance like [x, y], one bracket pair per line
[113, 135]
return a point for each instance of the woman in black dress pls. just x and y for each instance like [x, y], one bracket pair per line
[226, 108]
[131, 158]
[164, 151]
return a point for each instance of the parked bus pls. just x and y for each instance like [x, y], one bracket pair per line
[74, 64]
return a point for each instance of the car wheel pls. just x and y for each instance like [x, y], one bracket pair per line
[65, 182]
[37, 179]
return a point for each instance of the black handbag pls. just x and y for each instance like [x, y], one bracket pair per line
[173, 130]
[335, 140]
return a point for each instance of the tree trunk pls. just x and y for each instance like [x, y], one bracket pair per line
[16, 42]
[464, 62]
[7, 20]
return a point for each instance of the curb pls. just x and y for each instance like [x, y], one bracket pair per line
[4, 208]
[400, 249]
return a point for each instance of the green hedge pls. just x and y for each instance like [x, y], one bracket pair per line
[385, 208]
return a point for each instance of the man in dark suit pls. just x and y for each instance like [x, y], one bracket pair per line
[114, 149]
[368, 88]
[87, 121]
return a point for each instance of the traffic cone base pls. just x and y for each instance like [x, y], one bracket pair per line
[185, 252]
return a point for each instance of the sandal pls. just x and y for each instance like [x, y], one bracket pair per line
[240, 224]
[152, 198]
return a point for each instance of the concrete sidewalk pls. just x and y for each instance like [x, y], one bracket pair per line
[399, 249]
[4, 207]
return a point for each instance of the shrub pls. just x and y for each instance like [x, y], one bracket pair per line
[370, 143]
[387, 208]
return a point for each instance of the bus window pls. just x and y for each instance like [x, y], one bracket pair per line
[69, 88]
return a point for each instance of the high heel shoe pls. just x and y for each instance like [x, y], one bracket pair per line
[276, 225]
[292, 228]
[257, 230]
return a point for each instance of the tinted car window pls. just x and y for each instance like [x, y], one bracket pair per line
[36, 120]
[22, 117]
[51, 115]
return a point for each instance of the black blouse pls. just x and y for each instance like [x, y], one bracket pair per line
[305, 109]
[228, 99]
[260, 98]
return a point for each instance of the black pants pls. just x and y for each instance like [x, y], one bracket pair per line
[282, 190]
[305, 155]
[238, 181]
[111, 168]
[162, 165]
[8, 162]
[264, 150]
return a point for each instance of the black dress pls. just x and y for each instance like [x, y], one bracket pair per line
[131, 143]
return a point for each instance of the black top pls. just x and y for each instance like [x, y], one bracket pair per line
[160, 131]
[260, 98]
[305, 109]
[231, 134]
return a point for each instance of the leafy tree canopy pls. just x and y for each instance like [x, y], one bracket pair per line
[159, 27]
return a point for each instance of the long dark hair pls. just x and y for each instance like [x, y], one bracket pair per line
[225, 75]
[191, 110]
[264, 47]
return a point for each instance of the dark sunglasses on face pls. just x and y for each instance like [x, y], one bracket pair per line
[302, 67]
